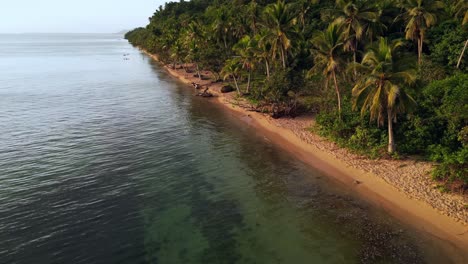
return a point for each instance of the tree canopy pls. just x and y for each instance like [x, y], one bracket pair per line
[381, 57]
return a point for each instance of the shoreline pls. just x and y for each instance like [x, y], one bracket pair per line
[381, 182]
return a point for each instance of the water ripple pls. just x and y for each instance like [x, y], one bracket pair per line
[109, 161]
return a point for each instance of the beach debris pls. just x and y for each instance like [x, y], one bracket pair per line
[196, 85]
[205, 93]
[276, 110]
[357, 182]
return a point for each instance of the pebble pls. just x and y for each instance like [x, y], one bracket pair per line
[409, 177]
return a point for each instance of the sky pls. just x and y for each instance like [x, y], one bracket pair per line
[75, 16]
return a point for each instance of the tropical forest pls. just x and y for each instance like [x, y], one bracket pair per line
[387, 79]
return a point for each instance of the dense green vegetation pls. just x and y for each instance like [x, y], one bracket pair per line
[380, 74]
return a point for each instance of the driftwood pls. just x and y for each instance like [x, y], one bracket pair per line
[253, 109]
[201, 77]
[282, 110]
[196, 85]
[276, 110]
[205, 93]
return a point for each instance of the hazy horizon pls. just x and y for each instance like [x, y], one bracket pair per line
[65, 33]
[84, 17]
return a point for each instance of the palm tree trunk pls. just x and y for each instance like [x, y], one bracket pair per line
[283, 58]
[267, 65]
[198, 72]
[237, 86]
[391, 140]
[461, 55]
[248, 80]
[303, 22]
[337, 93]
[354, 65]
[420, 50]
[354, 60]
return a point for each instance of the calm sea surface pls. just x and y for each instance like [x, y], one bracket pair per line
[108, 160]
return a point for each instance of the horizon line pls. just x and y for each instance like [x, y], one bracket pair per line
[38, 33]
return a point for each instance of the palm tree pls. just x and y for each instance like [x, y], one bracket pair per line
[381, 89]
[419, 16]
[281, 22]
[166, 42]
[176, 52]
[389, 12]
[232, 69]
[461, 10]
[253, 14]
[356, 19]
[246, 49]
[193, 40]
[462, 53]
[264, 49]
[304, 6]
[326, 48]
[221, 26]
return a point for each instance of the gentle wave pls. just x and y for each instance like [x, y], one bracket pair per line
[105, 160]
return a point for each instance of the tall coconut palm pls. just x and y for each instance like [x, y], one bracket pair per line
[176, 52]
[280, 21]
[390, 11]
[253, 15]
[232, 69]
[246, 48]
[264, 49]
[462, 53]
[240, 24]
[327, 47]
[382, 88]
[356, 18]
[461, 10]
[303, 7]
[193, 39]
[419, 16]
[221, 26]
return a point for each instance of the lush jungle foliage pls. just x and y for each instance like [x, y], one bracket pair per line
[383, 76]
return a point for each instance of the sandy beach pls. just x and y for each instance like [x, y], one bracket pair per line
[403, 188]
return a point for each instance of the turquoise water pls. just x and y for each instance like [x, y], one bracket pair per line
[106, 160]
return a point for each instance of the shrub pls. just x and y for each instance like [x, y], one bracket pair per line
[448, 101]
[448, 39]
[274, 87]
[453, 167]
[352, 131]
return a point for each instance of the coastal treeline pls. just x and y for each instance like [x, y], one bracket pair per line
[386, 78]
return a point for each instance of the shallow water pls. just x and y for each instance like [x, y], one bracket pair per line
[107, 160]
